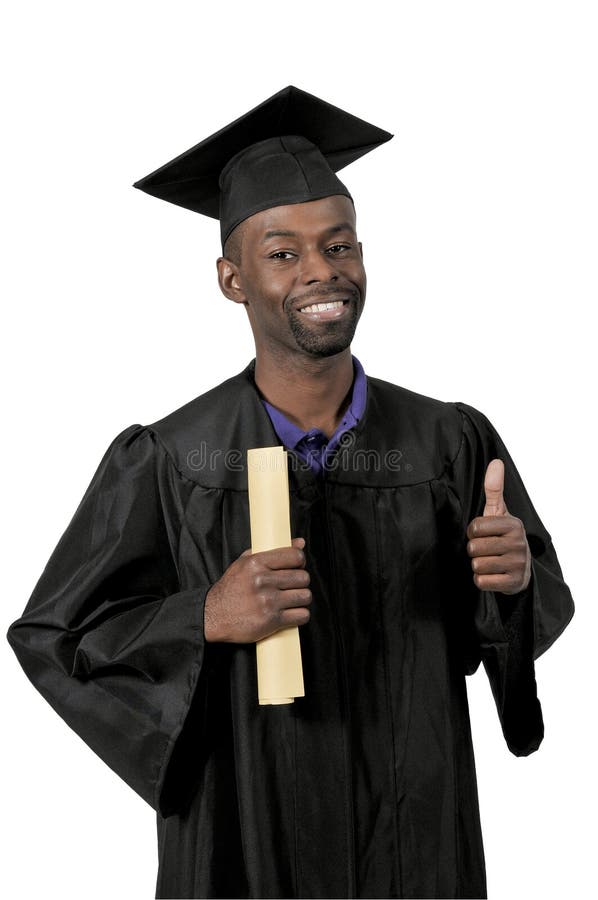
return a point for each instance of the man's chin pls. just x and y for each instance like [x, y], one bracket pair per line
[325, 352]
[325, 344]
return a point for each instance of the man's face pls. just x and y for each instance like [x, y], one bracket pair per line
[294, 259]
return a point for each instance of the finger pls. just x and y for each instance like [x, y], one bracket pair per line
[283, 579]
[289, 618]
[281, 558]
[294, 598]
[494, 485]
[491, 546]
[298, 542]
[505, 584]
[490, 565]
[487, 526]
[510, 545]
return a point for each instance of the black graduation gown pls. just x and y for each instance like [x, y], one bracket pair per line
[366, 787]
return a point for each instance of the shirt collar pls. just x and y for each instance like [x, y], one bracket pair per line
[290, 434]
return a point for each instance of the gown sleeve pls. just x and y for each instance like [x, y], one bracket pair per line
[511, 631]
[107, 637]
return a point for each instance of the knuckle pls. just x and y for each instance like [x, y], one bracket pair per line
[264, 599]
[513, 563]
[304, 616]
[520, 531]
[301, 582]
[513, 580]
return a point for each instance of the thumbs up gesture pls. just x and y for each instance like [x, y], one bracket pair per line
[497, 543]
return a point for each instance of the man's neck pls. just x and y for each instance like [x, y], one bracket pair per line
[312, 393]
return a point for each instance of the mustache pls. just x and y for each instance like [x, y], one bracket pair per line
[323, 291]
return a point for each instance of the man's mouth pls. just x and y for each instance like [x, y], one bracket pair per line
[322, 307]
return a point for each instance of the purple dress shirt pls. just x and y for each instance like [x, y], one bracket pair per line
[313, 446]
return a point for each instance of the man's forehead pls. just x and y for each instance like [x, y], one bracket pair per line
[329, 214]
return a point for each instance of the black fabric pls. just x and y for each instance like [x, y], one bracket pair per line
[284, 151]
[366, 787]
[275, 172]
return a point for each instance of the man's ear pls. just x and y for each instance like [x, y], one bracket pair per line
[229, 280]
[360, 245]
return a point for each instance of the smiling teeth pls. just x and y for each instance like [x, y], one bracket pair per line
[320, 307]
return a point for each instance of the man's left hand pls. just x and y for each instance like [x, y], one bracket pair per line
[498, 547]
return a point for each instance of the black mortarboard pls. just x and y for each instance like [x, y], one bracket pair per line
[284, 151]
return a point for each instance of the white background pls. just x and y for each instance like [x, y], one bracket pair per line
[479, 226]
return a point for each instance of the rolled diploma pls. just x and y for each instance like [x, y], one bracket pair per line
[279, 668]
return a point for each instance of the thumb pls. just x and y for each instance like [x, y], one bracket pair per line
[494, 484]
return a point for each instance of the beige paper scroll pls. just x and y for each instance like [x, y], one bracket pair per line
[279, 668]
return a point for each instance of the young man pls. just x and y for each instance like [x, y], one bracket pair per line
[417, 555]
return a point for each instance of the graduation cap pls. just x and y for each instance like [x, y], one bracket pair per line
[284, 151]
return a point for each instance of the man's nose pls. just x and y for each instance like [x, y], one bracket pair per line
[317, 267]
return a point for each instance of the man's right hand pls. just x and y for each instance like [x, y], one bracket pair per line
[259, 593]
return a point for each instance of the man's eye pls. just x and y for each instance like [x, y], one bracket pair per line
[338, 248]
[281, 254]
